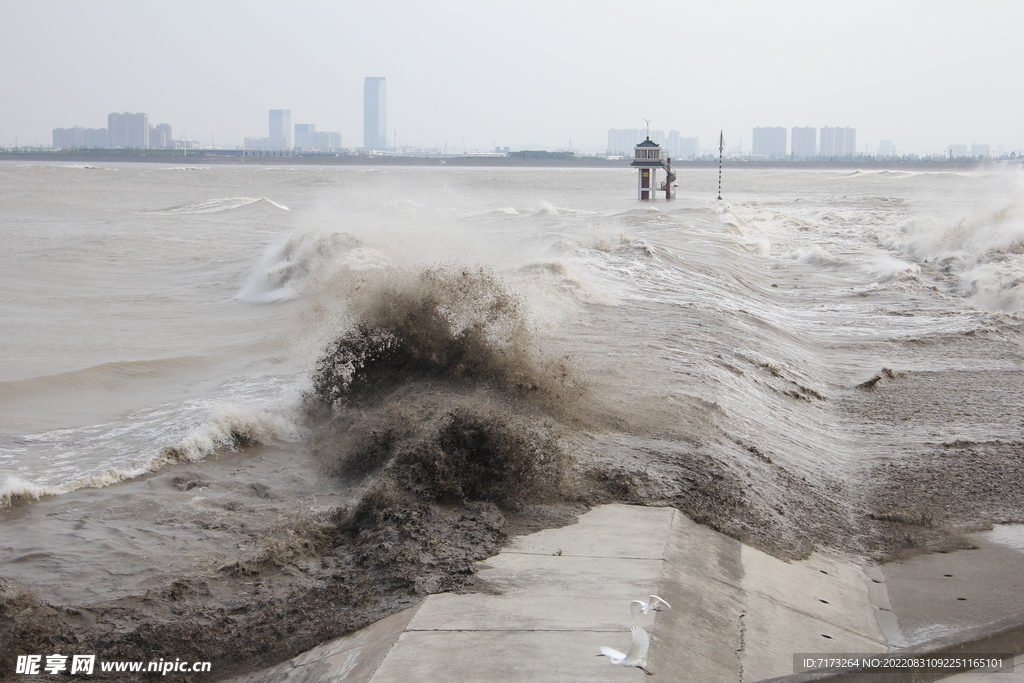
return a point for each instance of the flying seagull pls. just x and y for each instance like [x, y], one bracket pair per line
[637, 655]
[654, 604]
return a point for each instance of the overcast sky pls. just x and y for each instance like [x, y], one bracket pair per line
[533, 73]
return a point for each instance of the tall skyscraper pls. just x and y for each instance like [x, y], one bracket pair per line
[375, 113]
[804, 142]
[281, 128]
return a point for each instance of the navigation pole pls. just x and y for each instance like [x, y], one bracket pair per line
[721, 147]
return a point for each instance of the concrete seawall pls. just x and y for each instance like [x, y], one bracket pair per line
[737, 613]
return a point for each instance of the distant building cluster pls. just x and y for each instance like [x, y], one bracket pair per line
[961, 151]
[78, 137]
[306, 138]
[133, 131]
[123, 131]
[807, 142]
[280, 132]
[621, 142]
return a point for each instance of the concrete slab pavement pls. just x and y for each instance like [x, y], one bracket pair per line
[737, 614]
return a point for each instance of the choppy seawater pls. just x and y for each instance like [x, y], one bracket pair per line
[153, 314]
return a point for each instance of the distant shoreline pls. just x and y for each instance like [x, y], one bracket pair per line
[223, 157]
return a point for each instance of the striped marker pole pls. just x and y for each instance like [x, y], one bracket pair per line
[721, 147]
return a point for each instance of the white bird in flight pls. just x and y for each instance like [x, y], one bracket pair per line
[637, 655]
[654, 604]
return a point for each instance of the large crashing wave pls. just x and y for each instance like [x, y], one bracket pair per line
[982, 247]
[443, 324]
[283, 272]
[438, 392]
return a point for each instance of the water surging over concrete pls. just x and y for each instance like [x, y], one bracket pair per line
[438, 394]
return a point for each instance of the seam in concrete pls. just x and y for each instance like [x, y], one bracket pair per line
[512, 630]
[586, 557]
[878, 593]
[770, 598]
[743, 645]
[668, 537]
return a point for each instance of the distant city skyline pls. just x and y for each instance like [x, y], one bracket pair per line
[129, 130]
[920, 75]
[132, 130]
[124, 130]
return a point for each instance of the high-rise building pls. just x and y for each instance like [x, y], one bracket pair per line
[95, 138]
[160, 137]
[308, 138]
[281, 128]
[325, 140]
[769, 142]
[621, 141]
[128, 130]
[851, 142]
[838, 142]
[688, 148]
[886, 149]
[67, 138]
[804, 142]
[304, 133]
[375, 113]
[115, 130]
[680, 148]
[828, 142]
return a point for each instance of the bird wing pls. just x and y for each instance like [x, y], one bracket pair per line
[637, 607]
[611, 654]
[655, 600]
[638, 649]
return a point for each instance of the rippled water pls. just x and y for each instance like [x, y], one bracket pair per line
[152, 315]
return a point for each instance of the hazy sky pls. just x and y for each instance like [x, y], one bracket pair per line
[535, 73]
